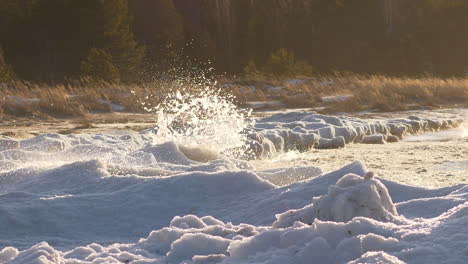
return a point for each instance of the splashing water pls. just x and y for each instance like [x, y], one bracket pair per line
[464, 128]
[191, 112]
[203, 118]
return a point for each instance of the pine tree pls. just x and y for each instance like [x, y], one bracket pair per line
[6, 71]
[117, 39]
[250, 70]
[98, 66]
[283, 63]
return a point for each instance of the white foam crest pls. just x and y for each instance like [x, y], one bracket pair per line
[202, 119]
[464, 128]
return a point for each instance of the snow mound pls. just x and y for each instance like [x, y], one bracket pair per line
[377, 257]
[352, 196]
[202, 238]
[361, 240]
[282, 176]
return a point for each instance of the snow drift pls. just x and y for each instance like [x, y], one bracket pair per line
[352, 196]
[227, 224]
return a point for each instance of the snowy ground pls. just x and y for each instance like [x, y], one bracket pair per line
[131, 197]
[431, 164]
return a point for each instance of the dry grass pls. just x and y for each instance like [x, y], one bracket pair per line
[392, 94]
[23, 99]
[84, 124]
[380, 93]
[374, 92]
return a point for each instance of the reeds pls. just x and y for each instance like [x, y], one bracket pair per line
[358, 92]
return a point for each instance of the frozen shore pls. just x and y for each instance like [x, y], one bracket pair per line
[235, 213]
[303, 131]
[133, 198]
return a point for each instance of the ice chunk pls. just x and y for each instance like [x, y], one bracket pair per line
[186, 222]
[356, 196]
[8, 254]
[374, 139]
[169, 152]
[352, 196]
[377, 257]
[190, 245]
[338, 142]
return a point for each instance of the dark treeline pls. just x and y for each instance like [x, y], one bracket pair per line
[128, 40]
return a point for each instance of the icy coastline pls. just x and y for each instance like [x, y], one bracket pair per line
[132, 198]
[303, 131]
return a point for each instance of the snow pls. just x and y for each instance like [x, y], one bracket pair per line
[352, 196]
[295, 82]
[445, 135]
[267, 104]
[274, 90]
[336, 98]
[114, 107]
[21, 100]
[138, 198]
[303, 131]
[368, 193]
[248, 89]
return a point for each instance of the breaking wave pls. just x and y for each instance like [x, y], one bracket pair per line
[203, 119]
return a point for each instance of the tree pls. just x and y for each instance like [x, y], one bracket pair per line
[250, 70]
[118, 41]
[283, 63]
[98, 66]
[6, 71]
[157, 23]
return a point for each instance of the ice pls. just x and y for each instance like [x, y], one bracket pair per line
[377, 257]
[282, 176]
[336, 98]
[93, 205]
[170, 153]
[190, 245]
[303, 131]
[6, 144]
[374, 139]
[295, 82]
[113, 107]
[352, 196]
[8, 254]
[267, 105]
[144, 197]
